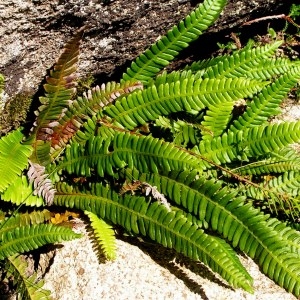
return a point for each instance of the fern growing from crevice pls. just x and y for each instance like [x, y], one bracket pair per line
[27, 287]
[203, 179]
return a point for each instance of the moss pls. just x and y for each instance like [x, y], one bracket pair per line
[14, 112]
[2, 82]
[84, 84]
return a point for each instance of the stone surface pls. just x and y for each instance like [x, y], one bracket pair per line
[32, 33]
[145, 271]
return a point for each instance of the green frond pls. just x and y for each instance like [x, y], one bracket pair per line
[148, 154]
[28, 287]
[272, 68]
[30, 237]
[21, 192]
[267, 103]
[216, 119]
[22, 219]
[170, 229]
[268, 166]
[184, 133]
[241, 224]
[105, 235]
[284, 160]
[159, 55]
[290, 235]
[166, 77]
[239, 64]
[59, 90]
[251, 63]
[189, 94]
[250, 142]
[13, 158]
[93, 127]
[277, 203]
[287, 184]
[87, 130]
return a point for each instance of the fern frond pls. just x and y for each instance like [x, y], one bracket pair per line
[271, 68]
[236, 221]
[269, 166]
[239, 64]
[170, 229]
[290, 235]
[287, 185]
[183, 132]
[189, 94]
[42, 185]
[87, 130]
[23, 219]
[28, 288]
[159, 55]
[21, 192]
[253, 63]
[145, 153]
[30, 237]
[59, 90]
[105, 235]
[84, 108]
[216, 119]
[250, 142]
[266, 103]
[13, 158]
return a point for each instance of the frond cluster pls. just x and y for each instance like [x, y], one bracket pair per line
[188, 158]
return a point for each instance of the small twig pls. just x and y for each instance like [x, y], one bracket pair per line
[282, 16]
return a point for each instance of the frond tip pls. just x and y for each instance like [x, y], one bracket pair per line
[42, 184]
[105, 235]
[25, 238]
[159, 55]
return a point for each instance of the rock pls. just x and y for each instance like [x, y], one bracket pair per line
[145, 271]
[32, 33]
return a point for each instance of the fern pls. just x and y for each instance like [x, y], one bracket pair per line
[85, 107]
[27, 286]
[254, 63]
[104, 234]
[13, 158]
[29, 237]
[183, 132]
[59, 89]
[23, 219]
[125, 149]
[266, 104]
[204, 177]
[187, 94]
[244, 226]
[21, 192]
[216, 119]
[250, 142]
[159, 55]
[164, 227]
